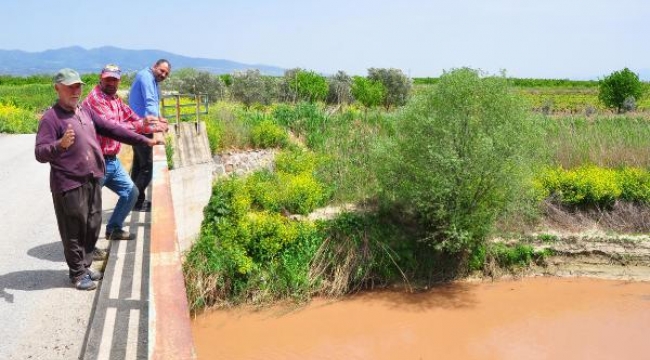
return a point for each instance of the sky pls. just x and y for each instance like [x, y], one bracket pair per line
[559, 39]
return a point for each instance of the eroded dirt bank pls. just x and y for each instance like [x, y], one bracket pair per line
[530, 318]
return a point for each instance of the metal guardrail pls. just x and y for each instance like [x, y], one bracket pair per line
[200, 106]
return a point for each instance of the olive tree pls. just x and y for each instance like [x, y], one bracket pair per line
[192, 81]
[620, 90]
[340, 89]
[250, 87]
[398, 86]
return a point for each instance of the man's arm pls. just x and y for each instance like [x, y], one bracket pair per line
[146, 125]
[119, 133]
[48, 143]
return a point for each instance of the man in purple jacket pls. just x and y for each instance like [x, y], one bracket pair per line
[67, 139]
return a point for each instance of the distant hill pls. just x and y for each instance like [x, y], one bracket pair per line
[21, 63]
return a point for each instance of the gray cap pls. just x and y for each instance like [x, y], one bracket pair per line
[67, 77]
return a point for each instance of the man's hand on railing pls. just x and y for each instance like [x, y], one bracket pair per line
[157, 140]
[158, 123]
[162, 125]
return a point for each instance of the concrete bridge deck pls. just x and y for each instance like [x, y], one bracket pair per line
[139, 310]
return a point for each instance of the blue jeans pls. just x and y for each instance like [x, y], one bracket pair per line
[120, 183]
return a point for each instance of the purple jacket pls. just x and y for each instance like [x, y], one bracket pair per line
[83, 160]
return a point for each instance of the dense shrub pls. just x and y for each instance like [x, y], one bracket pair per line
[248, 249]
[15, 120]
[301, 85]
[291, 188]
[244, 255]
[397, 85]
[620, 89]
[192, 81]
[250, 87]
[268, 134]
[595, 186]
[340, 89]
[462, 156]
[368, 92]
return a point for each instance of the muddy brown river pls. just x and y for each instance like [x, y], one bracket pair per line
[532, 318]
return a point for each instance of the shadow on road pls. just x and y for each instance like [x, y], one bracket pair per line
[32, 280]
[50, 252]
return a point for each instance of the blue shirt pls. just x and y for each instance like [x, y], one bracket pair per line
[144, 97]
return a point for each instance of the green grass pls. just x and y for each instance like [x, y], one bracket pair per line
[607, 141]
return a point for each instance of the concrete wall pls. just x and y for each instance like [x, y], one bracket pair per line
[191, 183]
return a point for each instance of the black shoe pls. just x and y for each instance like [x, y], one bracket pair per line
[144, 206]
[94, 275]
[85, 283]
[118, 234]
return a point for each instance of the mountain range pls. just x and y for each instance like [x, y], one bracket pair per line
[22, 63]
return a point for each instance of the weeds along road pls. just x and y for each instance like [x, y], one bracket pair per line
[42, 315]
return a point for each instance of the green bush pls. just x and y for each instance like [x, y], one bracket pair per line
[192, 81]
[462, 156]
[369, 93]
[292, 188]
[247, 254]
[295, 162]
[302, 193]
[303, 85]
[595, 186]
[340, 89]
[14, 120]
[268, 134]
[397, 85]
[635, 184]
[250, 88]
[618, 87]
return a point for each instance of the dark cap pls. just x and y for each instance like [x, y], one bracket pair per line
[112, 71]
[67, 77]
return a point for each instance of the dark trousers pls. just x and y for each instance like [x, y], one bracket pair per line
[142, 169]
[79, 218]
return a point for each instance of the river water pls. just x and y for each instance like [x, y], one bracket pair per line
[532, 318]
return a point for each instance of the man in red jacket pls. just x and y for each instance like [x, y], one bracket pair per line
[105, 103]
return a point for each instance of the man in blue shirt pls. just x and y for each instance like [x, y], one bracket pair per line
[144, 99]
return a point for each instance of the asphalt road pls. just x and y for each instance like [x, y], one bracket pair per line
[42, 316]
